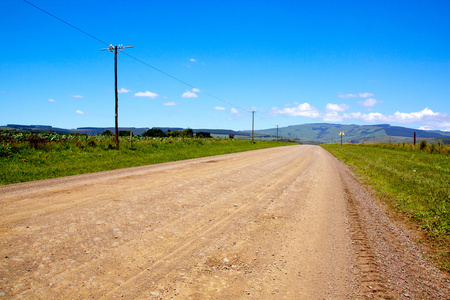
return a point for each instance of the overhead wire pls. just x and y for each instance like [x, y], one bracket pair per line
[137, 59]
[67, 23]
[183, 82]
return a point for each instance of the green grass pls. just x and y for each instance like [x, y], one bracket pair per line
[21, 162]
[414, 183]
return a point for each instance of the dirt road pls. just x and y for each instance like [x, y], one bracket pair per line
[290, 222]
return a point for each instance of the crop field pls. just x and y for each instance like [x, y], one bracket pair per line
[30, 156]
[414, 182]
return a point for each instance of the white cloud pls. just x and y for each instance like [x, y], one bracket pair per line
[51, 100]
[426, 118]
[123, 90]
[366, 95]
[374, 117]
[169, 104]
[361, 95]
[301, 110]
[234, 111]
[347, 95]
[189, 94]
[369, 102]
[76, 96]
[414, 116]
[336, 107]
[146, 94]
[192, 60]
[332, 116]
[219, 108]
[79, 112]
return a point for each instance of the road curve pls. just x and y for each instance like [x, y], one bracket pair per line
[289, 222]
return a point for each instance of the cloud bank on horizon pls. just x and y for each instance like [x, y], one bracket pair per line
[335, 112]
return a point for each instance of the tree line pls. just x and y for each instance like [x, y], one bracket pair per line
[156, 132]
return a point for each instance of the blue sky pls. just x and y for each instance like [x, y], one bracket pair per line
[293, 62]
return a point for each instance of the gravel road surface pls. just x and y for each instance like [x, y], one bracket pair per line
[281, 223]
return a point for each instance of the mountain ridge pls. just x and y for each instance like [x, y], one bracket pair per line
[311, 132]
[326, 132]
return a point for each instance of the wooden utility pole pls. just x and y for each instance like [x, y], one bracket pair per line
[277, 133]
[253, 124]
[116, 49]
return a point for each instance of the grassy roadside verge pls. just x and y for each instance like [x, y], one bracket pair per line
[26, 163]
[414, 184]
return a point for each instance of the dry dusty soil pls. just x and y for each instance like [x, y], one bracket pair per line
[283, 223]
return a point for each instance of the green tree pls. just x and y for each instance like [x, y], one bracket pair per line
[124, 133]
[154, 132]
[174, 133]
[107, 133]
[203, 135]
[187, 133]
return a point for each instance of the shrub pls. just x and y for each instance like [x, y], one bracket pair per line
[92, 143]
[5, 150]
[37, 141]
[423, 144]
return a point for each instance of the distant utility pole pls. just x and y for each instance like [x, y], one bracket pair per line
[253, 124]
[277, 133]
[116, 49]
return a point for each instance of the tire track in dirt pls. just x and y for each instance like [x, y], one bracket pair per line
[373, 284]
[188, 246]
[61, 189]
[389, 264]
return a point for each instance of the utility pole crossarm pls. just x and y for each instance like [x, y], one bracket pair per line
[113, 48]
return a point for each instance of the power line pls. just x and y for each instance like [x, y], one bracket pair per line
[183, 82]
[137, 59]
[67, 23]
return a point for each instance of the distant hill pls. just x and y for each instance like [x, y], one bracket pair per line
[306, 133]
[100, 130]
[325, 133]
[34, 128]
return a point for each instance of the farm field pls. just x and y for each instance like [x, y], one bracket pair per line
[288, 222]
[27, 157]
[413, 182]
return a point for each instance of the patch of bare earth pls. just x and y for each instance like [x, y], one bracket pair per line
[289, 222]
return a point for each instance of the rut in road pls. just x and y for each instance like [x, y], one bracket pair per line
[266, 224]
[247, 204]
